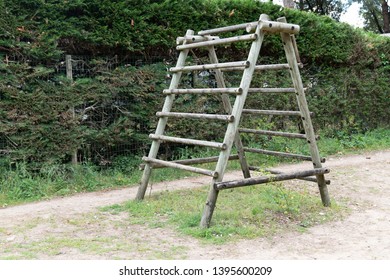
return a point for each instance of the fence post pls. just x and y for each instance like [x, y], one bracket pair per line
[69, 76]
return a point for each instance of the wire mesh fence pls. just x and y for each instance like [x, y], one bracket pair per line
[99, 117]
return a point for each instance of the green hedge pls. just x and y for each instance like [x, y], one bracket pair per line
[348, 70]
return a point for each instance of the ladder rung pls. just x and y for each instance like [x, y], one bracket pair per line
[310, 179]
[226, 65]
[265, 67]
[230, 28]
[284, 66]
[210, 144]
[272, 90]
[274, 27]
[164, 163]
[203, 91]
[265, 179]
[273, 133]
[273, 112]
[249, 37]
[194, 39]
[227, 118]
[280, 154]
[193, 161]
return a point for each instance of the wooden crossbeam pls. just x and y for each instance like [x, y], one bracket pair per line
[272, 171]
[268, 179]
[249, 37]
[216, 145]
[236, 91]
[226, 118]
[198, 170]
[227, 65]
[273, 133]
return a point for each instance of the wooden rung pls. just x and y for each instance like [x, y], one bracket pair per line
[265, 67]
[226, 65]
[273, 112]
[164, 163]
[284, 66]
[268, 179]
[310, 179]
[230, 28]
[227, 118]
[280, 154]
[272, 90]
[210, 144]
[273, 133]
[249, 37]
[274, 27]
[236, 91]
[194, 39]
[193, 161]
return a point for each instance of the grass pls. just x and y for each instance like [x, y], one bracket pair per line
[19, 185]
[256, 211]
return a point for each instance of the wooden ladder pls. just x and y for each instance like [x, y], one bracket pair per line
[233, 112]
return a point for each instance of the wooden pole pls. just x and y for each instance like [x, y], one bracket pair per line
[69, 76]
[188, 141]
[269, 179]
[226, 118]
[228, 109]
[273, 112]
[203, 91]
[249, 37]
[306, 119]
[162, 122]
[226, 65]
[180, 166]
[192, 161]
[231, 130]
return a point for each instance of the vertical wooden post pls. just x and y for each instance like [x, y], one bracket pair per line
[69, 76]
[305, 114]
[228, 109]
[232, 128]
[162, 121]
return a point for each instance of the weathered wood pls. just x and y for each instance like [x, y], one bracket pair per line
[162, 122]
[194, 39]
[198, 170]
[228, 109]
[269, 179]
[221, 146]
[226, 118]
[273, 133]
[265, 67]
[236, 91]
[274, 27]
[226, 65]
[249, 37]
[310, 179]
[280, 154]
[192, 161]
[272, 90]
[273, 112]
[230, 28]
[231, 131]
[288, 45]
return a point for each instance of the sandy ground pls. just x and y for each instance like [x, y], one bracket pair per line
[67, 228]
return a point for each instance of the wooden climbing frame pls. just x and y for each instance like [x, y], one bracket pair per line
[208, 39]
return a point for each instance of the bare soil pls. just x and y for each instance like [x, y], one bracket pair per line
[74, 227]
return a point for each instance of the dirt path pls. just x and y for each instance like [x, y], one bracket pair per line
[65, 228]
